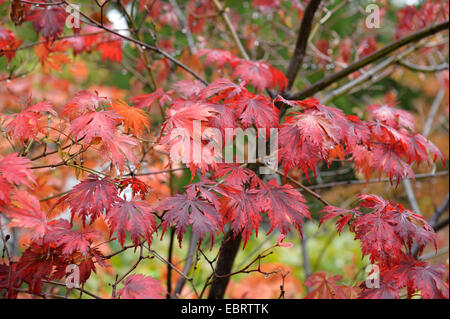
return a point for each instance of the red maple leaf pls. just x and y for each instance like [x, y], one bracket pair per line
[16, 169]
[188, 89]
[224, 88]
[71, 240]
[119, 150]
[48, 20]
[285, 206]
[332, 212]
[26, 124]
[138, 286]
[8, 43]
[256, 110]
[326, 287]
[81, 103]
[25, 212]
[91, 197]
[37, 263]
[417, 275]
[111, 49]
[184, 210]
[243, 209]
[217, 57]
[134, 217]
[147, 100]
[259, 74]
[234, 174]
[92, 125]
[137, 186]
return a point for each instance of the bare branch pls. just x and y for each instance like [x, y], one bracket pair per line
[302, 42]
[393, 46]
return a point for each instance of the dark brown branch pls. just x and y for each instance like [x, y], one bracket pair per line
[393, 46]
[375, 180]
[229, 249]
[302, 42]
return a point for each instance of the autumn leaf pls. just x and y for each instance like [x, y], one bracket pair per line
[91, 198]
[92, 125]
[182, 211]
[325, 286]
[134, 217]
[138, 286]
[134, 119]
[48, 20]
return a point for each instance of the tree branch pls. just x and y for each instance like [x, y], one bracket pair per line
[237, 41]
[302, 42]
[228, 251]
[393, 46]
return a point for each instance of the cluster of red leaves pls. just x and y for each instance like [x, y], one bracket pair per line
[55, 244]
[14, 170]
[412, 19]
[386, 143]
[92, 39]
[259, 74]
[387, 233]
[8, 43]
[208, 206]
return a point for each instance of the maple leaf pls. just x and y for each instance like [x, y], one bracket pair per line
[147, 100]
[8, 43]
[215, 56]
[385, 158]
[138, 286]
[224, 88]
[37, 263]
[5, 188]
[27, 124]
[311, 135]
[184, 210]
[134, 217]
[91, 197]
[72, 240]
[183, 114]
[101, 124]
[26, 212]
[111, 49]
[386, 290]
[81, 103]
[332, 212]
[205, 189]
[378, 236]
[259, 74]
[16, 170]
[257, 110]
[413, 228]
[134, 119]
[9, 281]
[137, 186]
[53, 55]
[48, 20]
[417, 275]
[188, 89]
[243, 208]
[234, 174]
[119, 150]
[225, 118]
[391, 116]
[285, 206]
[326, 287]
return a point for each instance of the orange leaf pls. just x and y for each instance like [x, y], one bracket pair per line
[134, 119]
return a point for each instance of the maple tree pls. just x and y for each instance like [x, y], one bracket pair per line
[92, 173]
